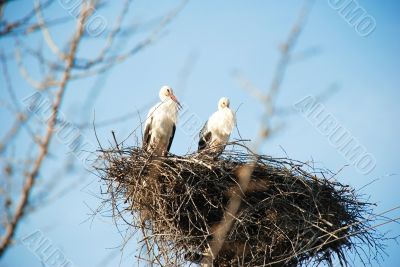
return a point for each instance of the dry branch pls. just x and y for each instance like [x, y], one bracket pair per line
[45, 142]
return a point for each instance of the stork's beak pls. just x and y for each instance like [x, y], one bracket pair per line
[173, 97]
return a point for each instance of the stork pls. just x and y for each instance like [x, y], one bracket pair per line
[160, 125]
[216, 131]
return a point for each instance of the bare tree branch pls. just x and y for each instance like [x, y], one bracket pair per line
[44, 146]
[268, 101]
[21, 25]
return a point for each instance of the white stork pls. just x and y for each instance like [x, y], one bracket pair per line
[216, 131]
[160, 125]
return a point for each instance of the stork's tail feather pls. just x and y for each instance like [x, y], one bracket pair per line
[202, 144]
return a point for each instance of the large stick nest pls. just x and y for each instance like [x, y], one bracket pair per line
[290, 214]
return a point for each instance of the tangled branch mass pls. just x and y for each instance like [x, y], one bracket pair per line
[290, 213]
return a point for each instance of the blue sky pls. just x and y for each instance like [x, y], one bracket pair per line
[220, 38]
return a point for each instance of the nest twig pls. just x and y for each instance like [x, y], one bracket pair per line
[290, 214]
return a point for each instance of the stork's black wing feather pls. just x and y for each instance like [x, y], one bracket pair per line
[204, 137]
[171, 138]
[147, 134]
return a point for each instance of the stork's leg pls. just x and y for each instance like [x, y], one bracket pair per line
[165, 150]
[158, 148]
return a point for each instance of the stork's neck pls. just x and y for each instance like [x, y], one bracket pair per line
[168, 102]
[169, 106]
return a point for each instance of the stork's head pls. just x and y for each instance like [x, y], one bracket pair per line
[223, 103]
[166, 93]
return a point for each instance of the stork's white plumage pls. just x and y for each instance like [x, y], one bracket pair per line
[217, 130]
[160, 125]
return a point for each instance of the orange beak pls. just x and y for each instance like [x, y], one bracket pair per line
[173, 97]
